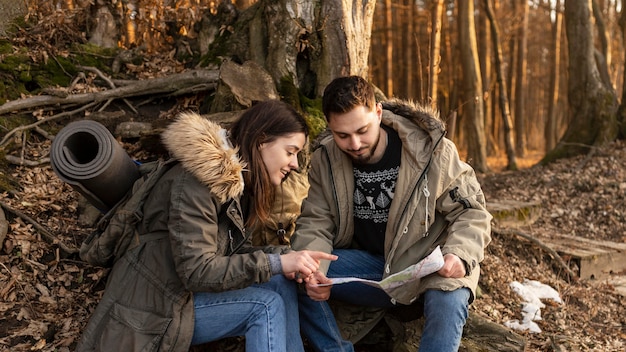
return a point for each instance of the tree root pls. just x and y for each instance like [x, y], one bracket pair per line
[571, 276]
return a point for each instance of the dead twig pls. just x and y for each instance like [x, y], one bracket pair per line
[25, 162]
[571, 275]
[110, 83]
[48, 119]
[43, 231]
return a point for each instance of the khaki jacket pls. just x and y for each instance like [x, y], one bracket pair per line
[457, 218]
[192, 238]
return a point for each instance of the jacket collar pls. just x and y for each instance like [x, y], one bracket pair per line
[423, 116]
[203, 148]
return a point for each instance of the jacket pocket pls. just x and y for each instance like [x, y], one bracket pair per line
[130, 329]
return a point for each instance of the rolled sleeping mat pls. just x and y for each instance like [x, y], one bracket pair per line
[86, 156]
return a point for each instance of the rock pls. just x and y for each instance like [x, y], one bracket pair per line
[508, 213]
[241, 85]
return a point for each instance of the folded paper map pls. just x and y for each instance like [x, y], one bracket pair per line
[432, 263]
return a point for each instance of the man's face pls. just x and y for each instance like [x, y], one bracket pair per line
[357, 133]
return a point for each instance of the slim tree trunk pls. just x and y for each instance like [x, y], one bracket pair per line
[550, 131]
[501, 82]
[408, 50]
[484, 50]
[520, 82]
[473, 115]
[434, 60]
[603, 56]
[621, 113]
[388, 48]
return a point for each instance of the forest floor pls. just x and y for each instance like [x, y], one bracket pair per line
[46, 300]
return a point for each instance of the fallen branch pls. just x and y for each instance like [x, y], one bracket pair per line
[571, 275]
[35, 124]
[47, 235]
[110, 83]
[25, 162]
[163, 85]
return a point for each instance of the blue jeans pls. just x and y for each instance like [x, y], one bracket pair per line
[266, 314]
[445, 312]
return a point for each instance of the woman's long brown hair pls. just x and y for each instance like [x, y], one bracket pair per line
[264, 122]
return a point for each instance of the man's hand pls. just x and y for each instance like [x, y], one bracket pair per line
[318, 293]
[453, 267]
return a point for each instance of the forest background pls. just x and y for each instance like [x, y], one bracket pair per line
[518, 83]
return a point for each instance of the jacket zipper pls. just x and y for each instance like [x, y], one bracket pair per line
[419, 181]
[332, 179]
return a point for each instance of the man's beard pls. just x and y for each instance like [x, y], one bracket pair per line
[365, 158]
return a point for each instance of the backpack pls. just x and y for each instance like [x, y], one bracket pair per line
[116, 231]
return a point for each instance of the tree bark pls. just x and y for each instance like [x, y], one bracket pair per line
[621, 113]
[409, 48]
[501, 80]
[435, 51]
[485, 51]
[345, 34]
[520, 90]
[604, 54]
[593, 105]
[550, 129]
[473, 115]
[388, 50]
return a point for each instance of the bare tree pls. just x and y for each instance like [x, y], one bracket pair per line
[388, 49]
[435, 50]
[485, 52]
[501, 78]
[409, 37]
[550, 130]
[621, 113]
[593, 104]
[603, 56]
[520, 82]
[473, 113]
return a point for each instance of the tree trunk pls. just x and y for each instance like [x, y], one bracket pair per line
[604, 54]
[621, 113]
[305, 44]
[388, 49]
[593, 105]
[408, 49]
[550, 130]
[484, 51]
[520, 90]
[473, 116]
[504, 98]
[105, 30]
[435, 51]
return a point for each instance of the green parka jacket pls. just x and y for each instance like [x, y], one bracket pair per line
[437, 201]
[192, 238]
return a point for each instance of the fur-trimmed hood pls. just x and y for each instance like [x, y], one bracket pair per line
[424, 116]
[203, 148]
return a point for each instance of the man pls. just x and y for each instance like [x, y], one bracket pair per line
[385, 189]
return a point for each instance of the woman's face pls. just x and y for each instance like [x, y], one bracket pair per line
[281, 156]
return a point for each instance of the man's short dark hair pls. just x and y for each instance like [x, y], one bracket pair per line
[346, 93]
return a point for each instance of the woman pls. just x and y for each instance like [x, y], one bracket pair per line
[194, 277]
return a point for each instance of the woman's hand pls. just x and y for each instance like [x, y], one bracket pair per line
[302, 264]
